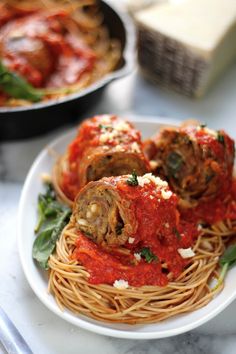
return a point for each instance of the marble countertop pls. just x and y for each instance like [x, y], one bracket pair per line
[44, 331]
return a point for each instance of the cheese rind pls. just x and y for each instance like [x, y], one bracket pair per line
[187, 45]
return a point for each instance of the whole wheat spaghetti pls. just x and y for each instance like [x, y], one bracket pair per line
[193, 289]
[132, 251]
[72, 273]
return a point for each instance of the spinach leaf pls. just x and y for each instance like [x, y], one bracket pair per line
[174, 163]
[148, 255]
[17, 87]
[52, 218]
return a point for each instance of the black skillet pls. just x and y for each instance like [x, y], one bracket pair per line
[25, 122]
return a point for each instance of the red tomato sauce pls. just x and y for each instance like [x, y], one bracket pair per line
[222, 147]
[158, 228]
[8, 13]
[105, 267]
[162, 227]
[38, 46]
[219, 209]
[89, 138]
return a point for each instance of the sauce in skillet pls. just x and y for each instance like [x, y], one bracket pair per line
[37, 45]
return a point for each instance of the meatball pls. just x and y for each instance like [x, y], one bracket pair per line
[196, 161]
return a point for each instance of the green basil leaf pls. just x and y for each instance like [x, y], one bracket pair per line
[148, 255]
[177, 234]
[132, 180]
[220, 138]
[53, 208]
[45, 242]
[17, 87]
[41, 216]
[229, 256]
[52, 218]
[44, 201]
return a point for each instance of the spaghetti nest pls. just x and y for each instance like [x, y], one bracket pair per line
[193, 289]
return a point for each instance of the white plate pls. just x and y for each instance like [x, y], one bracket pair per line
[38, 279]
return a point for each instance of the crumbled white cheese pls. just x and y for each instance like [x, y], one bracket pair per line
[119, 148]
[122, 126]
[186, 252]
[199, 227]
[114, 131]
[157, 180]
[167, 225]
[131, 239]
[105, 119]
[151, 197]
[137, 256]
[135, 147]
[82, 222]
[166, 194]
[121, 284]
[143, 180]
[149, 177]
[104, 137]
[108, 136]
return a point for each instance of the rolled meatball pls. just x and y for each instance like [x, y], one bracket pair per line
[105, 146]
[129, 228]
[24, 48]
[127, 210]
[196, 161]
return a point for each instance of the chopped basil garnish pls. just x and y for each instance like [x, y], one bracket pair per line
[177, 234]
[102, 126]
[148, 255]
[174, 163]
[220, 138]
[203, 125]
[133, 179]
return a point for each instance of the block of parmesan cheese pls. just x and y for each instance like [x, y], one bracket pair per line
[188, 44]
